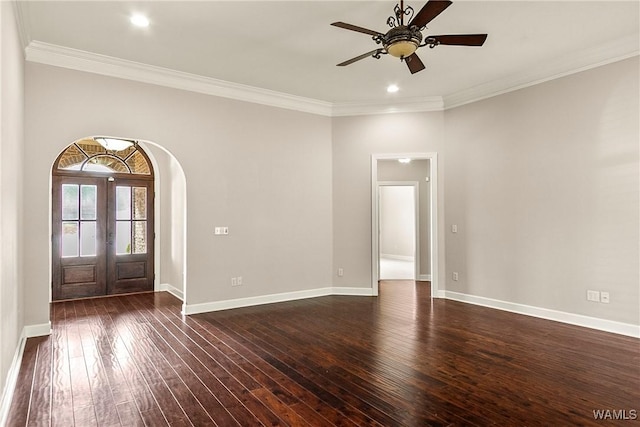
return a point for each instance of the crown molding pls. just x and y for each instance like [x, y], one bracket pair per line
[415, 105]
[75, 59]
[581, 60]
[59, 56]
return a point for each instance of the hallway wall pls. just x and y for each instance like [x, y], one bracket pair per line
[397, 221]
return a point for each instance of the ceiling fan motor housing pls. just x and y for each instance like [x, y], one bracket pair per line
[402, 41]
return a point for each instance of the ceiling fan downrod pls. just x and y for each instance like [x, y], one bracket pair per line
[400, 12]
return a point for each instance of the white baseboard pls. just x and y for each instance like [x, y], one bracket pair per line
[397, 257]
[361, 292]
[172, 290]
[12, 379]
[424, 277]
[545, 313]
[42, 329]
[273, 298]
[28, 331]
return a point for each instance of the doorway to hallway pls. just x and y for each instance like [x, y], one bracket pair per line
[398, 243]
[408, 168]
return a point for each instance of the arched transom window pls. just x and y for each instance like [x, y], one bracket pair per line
[90, 155]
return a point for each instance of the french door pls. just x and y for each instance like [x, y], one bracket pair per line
[102, 241]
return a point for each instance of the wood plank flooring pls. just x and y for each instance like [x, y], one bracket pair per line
[396, 360]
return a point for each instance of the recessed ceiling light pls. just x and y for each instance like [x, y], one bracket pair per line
[392, 88]
[406, 160]
[139, 20]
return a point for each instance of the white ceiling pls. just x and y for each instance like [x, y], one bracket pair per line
[289, 46]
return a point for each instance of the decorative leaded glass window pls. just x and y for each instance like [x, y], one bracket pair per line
[87, 155]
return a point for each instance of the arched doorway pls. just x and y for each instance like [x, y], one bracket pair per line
[102, 219]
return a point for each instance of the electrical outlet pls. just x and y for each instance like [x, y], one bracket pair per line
[454, 228]
[593, 296]
[239, 280]
[604, 297]
[456, 276]
[340, 272]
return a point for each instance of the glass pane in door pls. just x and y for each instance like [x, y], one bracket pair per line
[123, 203]
[70, 201]
[70, 239]
[123, 237]
[87, 238]
[139, 203]
[88, 202]
[139, 237]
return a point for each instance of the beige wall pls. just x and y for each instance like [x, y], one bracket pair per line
[355, 140]
[543, 185]
[263, 172]
[11, 197]
[542, 182]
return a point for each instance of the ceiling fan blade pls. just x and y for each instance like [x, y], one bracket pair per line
[414, 63]
[429, 11]
[356, 28]
[358, 58]
[459, 39]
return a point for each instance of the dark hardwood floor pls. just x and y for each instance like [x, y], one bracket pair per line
[397, 360]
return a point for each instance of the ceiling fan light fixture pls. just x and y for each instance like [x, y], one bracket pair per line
[402, 49]
[113, 144]
[402, 41]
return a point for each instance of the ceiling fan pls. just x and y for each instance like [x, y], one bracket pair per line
[402, 40]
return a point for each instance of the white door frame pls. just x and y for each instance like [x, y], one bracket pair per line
[433, 206]
[416, 224]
